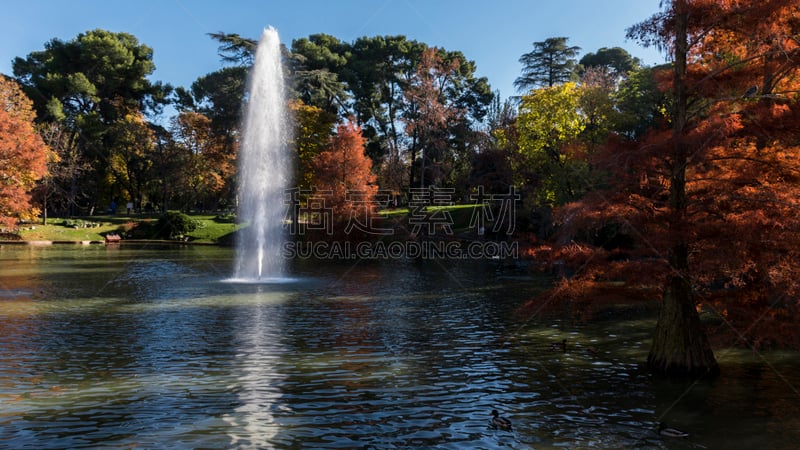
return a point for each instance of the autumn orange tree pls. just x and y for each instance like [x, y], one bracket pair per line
[702, 211]
[343, 176]
[207, 164]
[23, 155]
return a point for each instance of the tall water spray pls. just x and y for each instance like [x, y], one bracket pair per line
[264, 166]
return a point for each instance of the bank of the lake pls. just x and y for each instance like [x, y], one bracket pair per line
[218, 229]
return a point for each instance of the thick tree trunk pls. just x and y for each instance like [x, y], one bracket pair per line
[680, 346]
[44, 208]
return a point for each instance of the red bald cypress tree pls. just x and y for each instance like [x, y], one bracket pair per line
[343, 175]
[703, 212]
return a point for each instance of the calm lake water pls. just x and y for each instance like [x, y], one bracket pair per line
[153, 348]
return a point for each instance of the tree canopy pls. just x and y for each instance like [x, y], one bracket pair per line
[86, 85]
[616, 60]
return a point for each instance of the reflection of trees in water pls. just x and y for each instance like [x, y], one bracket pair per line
[19, 326]
[759, 396]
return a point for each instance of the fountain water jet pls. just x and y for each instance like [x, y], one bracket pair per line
[264, 167]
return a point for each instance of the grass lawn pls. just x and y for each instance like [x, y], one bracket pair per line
[210, 230]
[95, 228]
[56, 230]
[461, 215]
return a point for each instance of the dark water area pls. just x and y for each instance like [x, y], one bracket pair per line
[128, 347]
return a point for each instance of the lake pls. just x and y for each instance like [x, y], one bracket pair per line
[154, 347]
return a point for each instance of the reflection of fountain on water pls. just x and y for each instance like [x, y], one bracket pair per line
[257, 382]
[264, 167]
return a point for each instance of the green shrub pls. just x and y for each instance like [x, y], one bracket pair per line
[175, 225]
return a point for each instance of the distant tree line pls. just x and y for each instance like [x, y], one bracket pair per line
[427, 120]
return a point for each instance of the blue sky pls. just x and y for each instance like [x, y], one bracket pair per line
[492, 33]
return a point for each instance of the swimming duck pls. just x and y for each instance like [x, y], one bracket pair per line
[559, 346]
[664, 430]
[500, 422]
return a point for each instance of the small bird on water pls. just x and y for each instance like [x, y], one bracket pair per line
[500, 422]
[664, 430]
[559, 346]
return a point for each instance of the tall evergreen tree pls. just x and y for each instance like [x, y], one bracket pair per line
[550, 62]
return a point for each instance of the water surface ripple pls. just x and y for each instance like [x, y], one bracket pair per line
[153, 349]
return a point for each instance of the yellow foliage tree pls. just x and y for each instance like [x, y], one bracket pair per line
[549, 122]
